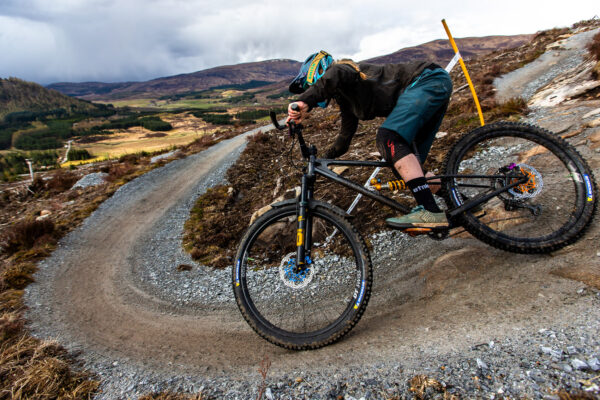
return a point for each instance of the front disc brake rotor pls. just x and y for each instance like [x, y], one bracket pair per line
[292, 279]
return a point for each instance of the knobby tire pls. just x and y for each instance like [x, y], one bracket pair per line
[334, 300]
[567, 199]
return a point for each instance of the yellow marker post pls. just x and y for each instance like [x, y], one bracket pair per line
[464, 68]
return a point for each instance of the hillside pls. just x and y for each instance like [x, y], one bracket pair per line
[441, 51]
[18, 95]
[266, 71]
[276, 71]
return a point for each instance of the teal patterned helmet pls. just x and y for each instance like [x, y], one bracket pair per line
[312, 69]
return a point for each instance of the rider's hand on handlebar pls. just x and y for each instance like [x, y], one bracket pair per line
[297, 115]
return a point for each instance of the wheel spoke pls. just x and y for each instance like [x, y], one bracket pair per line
[310, 304]
[548, 163]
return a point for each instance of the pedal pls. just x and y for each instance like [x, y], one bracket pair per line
[433, 233]
[417, 231]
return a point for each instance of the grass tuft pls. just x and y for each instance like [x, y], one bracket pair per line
[10, 326]
[424, 387]
[516, 105]
[30, 368]
[576, 395]
[18, 276]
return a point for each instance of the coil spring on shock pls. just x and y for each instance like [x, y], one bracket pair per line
[392, 185]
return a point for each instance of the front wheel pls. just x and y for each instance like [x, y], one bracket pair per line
[315, 307]
[548, 211]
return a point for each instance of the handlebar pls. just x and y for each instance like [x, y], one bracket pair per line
[275, 122]
[294, 130]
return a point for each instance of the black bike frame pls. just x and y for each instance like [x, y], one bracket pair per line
[318, 166]
[321, 168]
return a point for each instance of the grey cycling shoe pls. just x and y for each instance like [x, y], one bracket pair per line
[419, 217]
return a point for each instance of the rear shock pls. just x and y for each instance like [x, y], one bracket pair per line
[397, 184]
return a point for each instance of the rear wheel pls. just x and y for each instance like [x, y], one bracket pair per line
[547, 212]
[308, 309]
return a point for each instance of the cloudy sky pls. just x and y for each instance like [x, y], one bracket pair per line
[117, 40]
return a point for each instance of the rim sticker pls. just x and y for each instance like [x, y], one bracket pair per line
[361, 294]
[237, 273]
[457, 199]
[588, 187]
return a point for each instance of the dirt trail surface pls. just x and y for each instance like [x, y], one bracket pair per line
[483, 321]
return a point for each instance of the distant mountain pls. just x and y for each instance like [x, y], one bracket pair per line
[268, 71]
[18, 95]
[440, 50]
[274, 70]
[87, 88]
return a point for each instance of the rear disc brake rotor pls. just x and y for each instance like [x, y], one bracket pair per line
[532, 187]
[527, 190]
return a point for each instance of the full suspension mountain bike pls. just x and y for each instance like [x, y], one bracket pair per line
[303, 275]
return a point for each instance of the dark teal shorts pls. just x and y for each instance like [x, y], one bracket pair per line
[419, 111]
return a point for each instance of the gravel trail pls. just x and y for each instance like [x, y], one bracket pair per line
[483, 322]
[565, 54]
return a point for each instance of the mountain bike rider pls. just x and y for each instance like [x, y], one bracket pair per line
[413, 96]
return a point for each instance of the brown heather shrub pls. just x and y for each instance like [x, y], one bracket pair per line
[130, 158]
[594, 46]
[201, 143]
[61, 180]
[38, 185]
[205, 141]
[119, 170]
[26, 234]
[259, 138]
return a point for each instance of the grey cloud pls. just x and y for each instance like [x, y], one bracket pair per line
[110, 40]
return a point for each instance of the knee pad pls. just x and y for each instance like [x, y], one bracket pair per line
[391, 145]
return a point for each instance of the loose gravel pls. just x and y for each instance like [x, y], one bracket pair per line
[93, 179]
